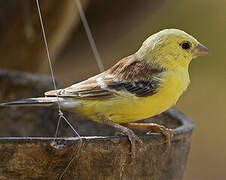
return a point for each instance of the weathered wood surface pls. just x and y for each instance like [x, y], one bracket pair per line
[105, 156]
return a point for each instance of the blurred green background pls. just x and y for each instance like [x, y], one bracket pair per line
[119, 29]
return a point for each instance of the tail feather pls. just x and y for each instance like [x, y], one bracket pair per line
[40, 101]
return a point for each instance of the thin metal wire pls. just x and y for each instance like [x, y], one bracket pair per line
[90, 37]
[47, 50]
[61, 115]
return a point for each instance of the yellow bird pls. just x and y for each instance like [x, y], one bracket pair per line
[139, 86]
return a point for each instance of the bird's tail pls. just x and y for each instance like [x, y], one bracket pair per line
[40, 101]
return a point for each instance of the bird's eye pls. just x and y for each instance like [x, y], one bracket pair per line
[185, 45]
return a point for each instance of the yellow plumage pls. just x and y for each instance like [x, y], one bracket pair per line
[127, 108]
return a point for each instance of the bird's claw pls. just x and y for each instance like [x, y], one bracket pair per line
[167, 132]
[133, 138]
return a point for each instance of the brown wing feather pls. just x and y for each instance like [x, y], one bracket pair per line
[85, 89]
[117, 78]
[132, 68]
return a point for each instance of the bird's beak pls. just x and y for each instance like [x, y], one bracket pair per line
[199, 50]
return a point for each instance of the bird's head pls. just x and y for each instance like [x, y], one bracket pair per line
[170, 49]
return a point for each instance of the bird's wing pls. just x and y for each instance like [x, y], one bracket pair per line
[131, 75]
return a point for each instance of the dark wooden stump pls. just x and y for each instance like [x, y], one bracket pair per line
[105, 156]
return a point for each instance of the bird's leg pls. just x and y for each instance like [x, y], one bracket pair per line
[154, 128]
[131, 135]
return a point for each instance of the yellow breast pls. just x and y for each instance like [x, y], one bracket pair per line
[128, 108]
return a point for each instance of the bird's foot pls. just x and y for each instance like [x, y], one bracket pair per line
[128, 132]
[132, 138]
[131, 135]
[154, 128]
